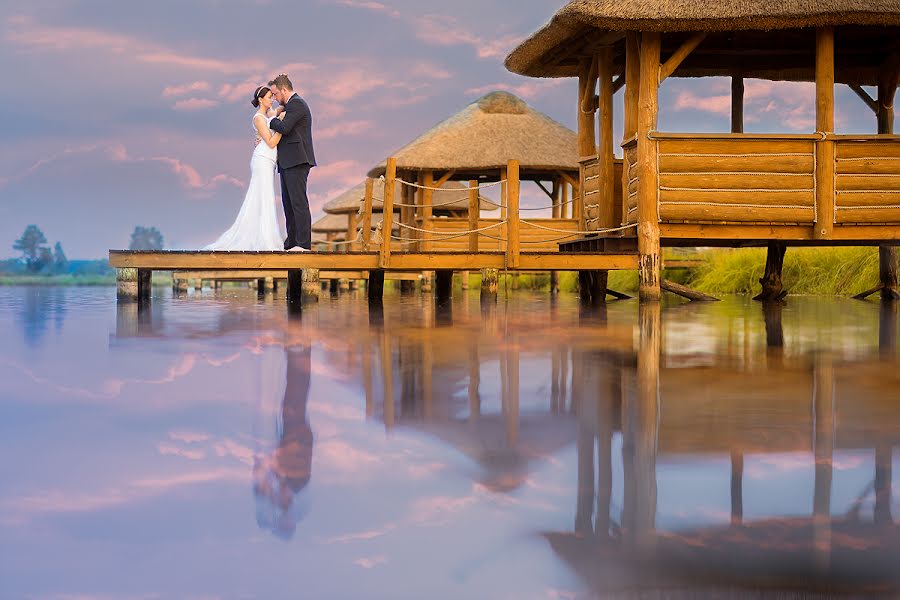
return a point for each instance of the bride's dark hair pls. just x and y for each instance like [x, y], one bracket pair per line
[260, 92]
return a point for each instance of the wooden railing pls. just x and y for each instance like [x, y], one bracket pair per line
[867, 179]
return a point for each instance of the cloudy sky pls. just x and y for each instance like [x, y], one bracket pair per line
[126, 113]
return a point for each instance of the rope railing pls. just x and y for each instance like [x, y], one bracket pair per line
[480, 186]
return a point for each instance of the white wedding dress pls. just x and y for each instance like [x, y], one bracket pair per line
[256, 226]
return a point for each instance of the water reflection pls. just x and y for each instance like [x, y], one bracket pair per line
[282, 472]
[526, 448]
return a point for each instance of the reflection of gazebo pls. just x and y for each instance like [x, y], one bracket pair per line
[731, 188]
[475, 145]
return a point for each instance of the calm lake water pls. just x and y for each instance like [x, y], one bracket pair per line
[213, 447]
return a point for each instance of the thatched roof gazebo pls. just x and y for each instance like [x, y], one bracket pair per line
[476, 145]
[731, 188]
[449, 201]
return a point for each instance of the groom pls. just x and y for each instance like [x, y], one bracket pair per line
[295, 158]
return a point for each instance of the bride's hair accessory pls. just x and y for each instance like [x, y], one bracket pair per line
[260, 92]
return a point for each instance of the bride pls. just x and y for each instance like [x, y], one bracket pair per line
[256, 226]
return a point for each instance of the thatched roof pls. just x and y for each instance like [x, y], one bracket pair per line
[485, 135]
[554, 50]
[352, 199]
[330, 224]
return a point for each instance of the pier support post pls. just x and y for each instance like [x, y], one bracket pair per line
[427, 282]
[294, 286]
[554, 282]
[772, 287]
[127, 285]
[181, 286]
[375, 287]
[407, 287]
[887, 271]
[344, 285]
[887, 90]
[464, 279]
[269, 284]
[443, 287]
[648, 217]
[198, 285]
[592, 286]
[490, 279]
[309, 286]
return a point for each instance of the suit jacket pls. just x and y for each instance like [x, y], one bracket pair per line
[296, 145]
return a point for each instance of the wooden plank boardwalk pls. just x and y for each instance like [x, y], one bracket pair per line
[177, 260]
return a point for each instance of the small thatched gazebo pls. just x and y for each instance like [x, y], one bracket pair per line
[732, 188]
[450, 201]
[476, 144]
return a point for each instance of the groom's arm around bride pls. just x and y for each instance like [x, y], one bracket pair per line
[295, 158]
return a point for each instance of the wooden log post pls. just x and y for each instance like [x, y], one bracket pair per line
[887, 89]
[490, 280]
[443, 286]
[772, 286]
[387, 222]
[427, 203]
[648, 218]
[344, 284]
[587, 136]
[351, 232]
[632, 95]
[556, 212]
[474, 210]
[375, 286]
[504, 208]
[198, 285]
[737, 103]
[295, 287]
[268, 284]
[824, 126]
[646, 424]
[464, 280]
[609, 210]
[181, 285]
[427, 282]
[512, 201]
[367, 214]
[127, 285]
[310, 285]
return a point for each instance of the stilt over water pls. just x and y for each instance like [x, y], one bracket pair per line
[772, 287]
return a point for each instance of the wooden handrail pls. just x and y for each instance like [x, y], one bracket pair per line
[387, 222]
[367, 214]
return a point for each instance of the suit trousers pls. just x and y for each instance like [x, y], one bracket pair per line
[296, 207]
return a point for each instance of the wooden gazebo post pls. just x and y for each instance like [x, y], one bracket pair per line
[824, 127]
[888, 80]
[648, 218]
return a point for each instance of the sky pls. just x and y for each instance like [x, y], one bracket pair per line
[123, 114]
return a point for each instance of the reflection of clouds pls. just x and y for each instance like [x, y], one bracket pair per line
[52, 502]
[340, 456]
[188, 437]
[768, 465]
[362, 535]
[173, 450]
[372, 561]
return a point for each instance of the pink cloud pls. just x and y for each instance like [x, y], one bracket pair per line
[369, 5]
[180, 90]
[188, 437]
[371, 562]
[173, 450]
[529, 89]
[191, 104]
[720, 105]
[26, 32]
[443, 30]
[344, 128]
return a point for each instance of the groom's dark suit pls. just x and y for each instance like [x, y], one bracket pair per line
[295, 158]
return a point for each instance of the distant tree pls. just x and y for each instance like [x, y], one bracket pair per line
[44, 260]
[146, 238]
[31, 245]
[60, 262]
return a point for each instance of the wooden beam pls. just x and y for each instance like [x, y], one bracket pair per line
[474, 212]
[685, 292]
[648, 219]
[387, 222]
[864, 96]
[824, 125]
[444, 178]
[586, 136]
[545, 190]
[587, 95]
[676, 59]
[618, 83]
[568, 178]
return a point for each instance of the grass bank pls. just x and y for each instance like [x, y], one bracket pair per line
[807, 271]
[159, 278]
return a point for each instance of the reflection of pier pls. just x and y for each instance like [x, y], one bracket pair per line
[816, 407]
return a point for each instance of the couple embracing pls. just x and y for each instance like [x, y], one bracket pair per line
[283, 139]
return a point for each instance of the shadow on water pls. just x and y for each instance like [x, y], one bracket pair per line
[627, 399]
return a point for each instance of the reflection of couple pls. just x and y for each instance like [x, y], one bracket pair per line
[283, 137]
[282, 472]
